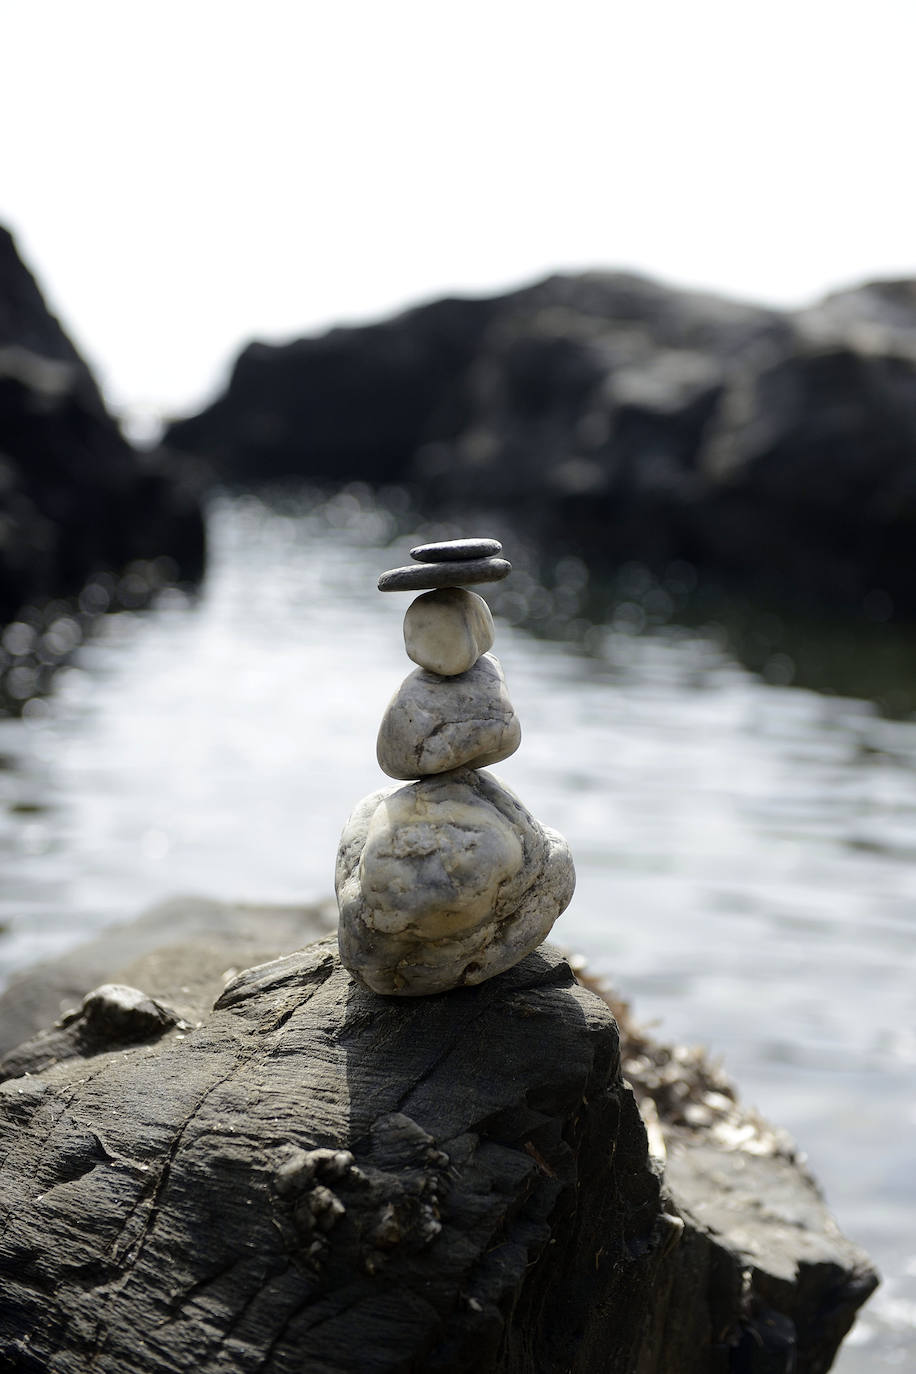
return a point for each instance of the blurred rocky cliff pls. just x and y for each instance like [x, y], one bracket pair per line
[81, 511]
[623, 420]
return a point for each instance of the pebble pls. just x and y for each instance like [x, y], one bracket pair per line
[454, 573]
[446, 882]
[435, 723]
[451, 549]
[447, 630]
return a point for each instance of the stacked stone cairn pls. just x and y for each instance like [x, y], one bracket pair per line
[449, 880]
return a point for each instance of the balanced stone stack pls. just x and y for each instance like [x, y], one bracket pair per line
[449, 880]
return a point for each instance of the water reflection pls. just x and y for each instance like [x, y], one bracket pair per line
[43, 639]
[867, 657]
[744, 850]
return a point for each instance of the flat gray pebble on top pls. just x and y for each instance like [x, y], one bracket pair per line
[451, 549]
[420, 576]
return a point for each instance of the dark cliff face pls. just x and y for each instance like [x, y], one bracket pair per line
[624, 420]
[354, 404]
[361, 402]
[26, 322]
[75, 498]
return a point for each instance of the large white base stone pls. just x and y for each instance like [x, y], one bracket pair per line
[446, 882]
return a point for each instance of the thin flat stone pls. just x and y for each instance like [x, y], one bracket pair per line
[427, 576]
[450, 550]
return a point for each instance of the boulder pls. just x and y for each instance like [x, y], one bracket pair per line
[809, 465]
[297, 1174]
[445, 883]
[77, 500]
[435, 723]
[378, 402]
[352, 404]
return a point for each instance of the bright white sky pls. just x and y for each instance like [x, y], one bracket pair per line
[185, 175]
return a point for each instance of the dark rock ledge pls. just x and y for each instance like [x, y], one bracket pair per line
[276, 1170]
[87, 522]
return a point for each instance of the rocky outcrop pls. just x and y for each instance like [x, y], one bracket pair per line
[275, 1169]
[621, 419]
[76, 500]
[354, 404]
[186, 943]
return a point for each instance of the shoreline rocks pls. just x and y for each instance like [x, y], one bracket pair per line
[82, 510]
[619, 420]
[279, 1167]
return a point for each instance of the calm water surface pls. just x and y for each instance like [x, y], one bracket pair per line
[746, 852]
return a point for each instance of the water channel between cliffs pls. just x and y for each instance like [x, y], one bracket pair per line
[746, 853]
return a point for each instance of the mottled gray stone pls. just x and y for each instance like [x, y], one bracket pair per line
[445, 883]
[447, 630]
[450, 549]
[434, 723]
[419, 576]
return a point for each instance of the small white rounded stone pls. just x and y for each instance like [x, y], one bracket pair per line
[447, 630]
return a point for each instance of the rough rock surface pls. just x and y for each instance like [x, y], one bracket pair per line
[446, 882]
[435, 723]
[177, 953]
[108, 1015]
[625, 420]
[76, 499]
[315, 1178]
